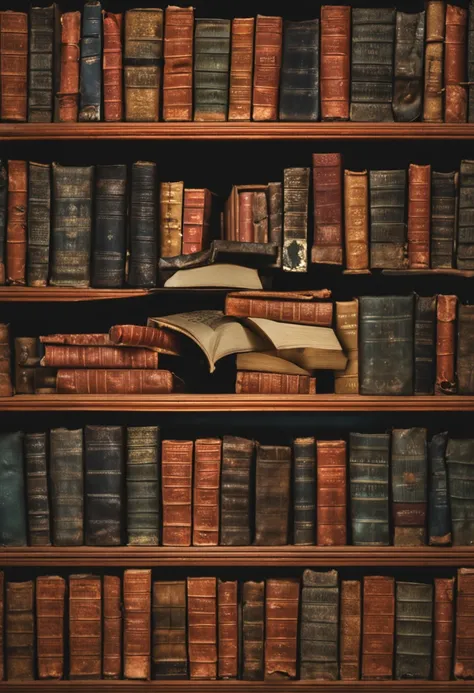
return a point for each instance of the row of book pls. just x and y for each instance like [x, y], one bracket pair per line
[100, 485]
[317, 627]
[361, 64]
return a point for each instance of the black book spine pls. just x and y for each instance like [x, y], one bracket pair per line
[408, 83]
[91, 68]
[439, 516]
[460, 462]
[110, 243]
[253, 630]
[409, 486]
[470, 62]
[304, 491]
[12, 490]
[143, 485]
[143, 226]
[388, 230]
[465, 244]
[236, 490]
[425, 344]
[443, 218]
[67, 486]
[39, 224]
[319, 626]
[299, 90]
[211, 69]
[3, 218]
[413, 630]
[40, 72]
[273, 474]
[37, 489]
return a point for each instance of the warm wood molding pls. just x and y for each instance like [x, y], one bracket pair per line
[58, 294]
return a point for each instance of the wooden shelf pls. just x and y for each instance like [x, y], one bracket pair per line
[467, 274]
[59, 294]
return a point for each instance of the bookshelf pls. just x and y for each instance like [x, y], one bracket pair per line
[244, 686]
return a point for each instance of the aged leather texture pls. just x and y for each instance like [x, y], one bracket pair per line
[137, 624]
[228, 629]
[68, 97]
[202, 627]
[439, 513]
[445, 344]
[95, 381]
[281, 627]
[465, 240]
[211, 69]
[470, 65]
[255, 382]
[112, 67]
[408, 67]
[3, 217]
[331, 492]
[444, 212]
[235, 501]
[346, 382]
[178, 66]
[273, 473]
[443, 628]
[241, 68]
[275, 217]
[26, 361]
[413, 630]
[304, 491]
[409, 464]
[463, 649]
[176, 484]
[110, 233]
[299, 82]
[434, 67]
[206, 491]
[143, 226]
[17, 222]
[67, 486]
[350, 629]
[302, 312]
[112, 624]
[253, 630]
[171, 218]
[335, 61]
[94, 339]
[260, 216]
[388, 231]
[50, 607]
[460, 463]
[465, 350]
[319, 626]
[39, 224]
[13, 529]
[143, 55]
[425, 344]
[36, 453]
[59, 356]
[20, 631]
[356, 222]
[267, 66]
[6, 386]
[91, 68]
[13, 66]
[143, 485]
[419, 216]
[245, 230]
[160, 340]
[327, 200]
[378, 625]
[455, 103]
[197, 212]
[43, 21]
[169, 640]
[295, 219]
[85, 627]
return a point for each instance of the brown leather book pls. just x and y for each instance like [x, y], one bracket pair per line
[455, 102]
[202, 627]
[112, 651]
[137, 624]
[162, 340]
[419, 216]
[142, 59]
[350, 630]
[253, 630]
[16, 225]
[77, 339]
[272, 495]
[346, 382]
[114, 382]
[267, 65]
[257, 383]
[356, 212]
[50, 598]
[170, 655]
[228, 629]
[6, 386]
[409, 470]
[85, 627]
[20, 631]
[207, 474]
[57, 356]
[378, 625]
[70, 67]
[464, 646]
[26, 360]
[335, 62]
[327, 200]
[112, 67]
[331, 492]
[171, 218]
[2, 625]
[281, 627]
[465, 350]
[445, 344]
[304, 312]
[434, 49]
[13, 65]
[260, 216]
[196, 220]
[443, 628]
[178, 67]
[241, 69]
[245, 228]
[176, 485]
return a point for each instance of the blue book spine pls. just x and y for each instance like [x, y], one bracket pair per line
[91, 68]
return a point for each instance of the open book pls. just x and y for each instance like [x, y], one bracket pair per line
[224, 276]
[266, 362]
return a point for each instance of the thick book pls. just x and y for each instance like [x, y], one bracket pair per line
[67, 486]
[297, 307]
[58, 356]
[20, 631]
[202, 627]
[346, 382]
[228, 629]
[455, 89]
[319, 626]
[254, 382]
[299, 82]
[351, 626]
[465, 350]
[211, 69]
[110, 232]
[41, 73]
[68, 97]
[433, 97]
[425, 345]
[3, 218]
[356, 220]
[39, 224]
[14, 66]
[143, 53]
[409, 486]
[206, 491]
[388, 230]
[272, 493]
[267, 67]
[169, 658]
[137, 624]
[304, 492]
[460, 463]
[419, 216]
[93, 381]
[176, 484]
[50, 595]
[197, 213]
[236, 490]
[171, 218]
[260, 216]
[253, 630]
[327, 204]
[335, 61]
[444, 203]
[281, 627]
[465, 239]
[373, 38]
[386, 337]
[90, 107]
[378, 624]
[470, 65]
[143, 485]
[463, 649]
[178, 64]
[275, 217]
[162, 340]
[37, 491]
[143, 226]
[413, 630]
[331, 492]
[17, 215]
[408, 66]
[26, 362]
[241, 68]
[445, 344]
[112, 67]
[439, 514]
[369, 459]
[91, 339]
[443, 614]
[112, 625]
[85, 627]
[13, 526]
[295, 219]
[6, 385]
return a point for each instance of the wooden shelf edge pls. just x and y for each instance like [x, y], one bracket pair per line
[467, 274]
[59, 294]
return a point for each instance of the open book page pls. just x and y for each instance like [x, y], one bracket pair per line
[226, 276]
[295, 336]
[268, 363]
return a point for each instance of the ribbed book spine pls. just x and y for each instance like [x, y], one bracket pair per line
[335, 61]
[331, 493]
[85, 627]
[143, 53]
[327, 200]
[39, 224]
[464, 643]
[137, 624]
[445, 344]
[460, 462]
[465, 240]
[413, 630]
[272, 495]
[228, 629]
[41, 68]
[143, 226]
[253, 630]
[304, 491]
[50, 606]
[13, 526]
[350, 629]
[378, 625]
[409, 486]
[143, 485]
[241, 69]
[20, 631]
[178, 66]
[211, 69]
[387, 219]
[356, 220]
[110, 241]
[299, 83]
[68, 97]
[425, 344]
[112, 624]
[112, 67]
[202, 627]
[281, 627]
[3, 218]
[206, 491]
[14, 66]
[319, 626]
[26, 360]
[443, 218]
[455, 103]
[91, 69]
[346, 382]
[465, 350]
[408, 67]
[295, 219]
[433, 97]
[37, 489]
[439, 516]
[177, 484]
[171, 218]
[196, 220]
[237, 468]
[443, 628]
[16, 235]
[6, 385]
[267, 66]
[169, 641]
[67, 486]
[419, 216]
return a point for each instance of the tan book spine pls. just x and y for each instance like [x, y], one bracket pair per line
[464, 645]
[20, 631]
[176, 484]
[137, 624]
[434, 51]
[445, 344]
[254, 382]
[112, 652]
[356, 208]
[419, 216]
[50, 598]
[17, 222]
[85, 627]
[241, 69]
[202, 627]
[68, 96]
[267, 66]
[378, 626]
[455, 102]
[178, 66]
[142, 56]
[443, 628]
[331, 492]
[228, 629]
[335, 62]
[350, 630]
[207, 472]
[346, 382]
[281, 627]
[171, 218]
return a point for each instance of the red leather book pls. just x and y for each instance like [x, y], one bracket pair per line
[163, 340]
[267, 65]
[281, 627]
[16, 224]
[455, 102]
[350, 630]
[6, 386]
[327, 199]
[207, 473]
[245, 230]
[85, 627]
[113, 67]
[77, 339]
[114, 382]
[137, 624]
[202, 627]
[70, 66]
[443, 628]
[13, 65]
[196, 220]
[445, 344]
[50, 598]
[419, 216]
[58, 356]
[335, 62]
[176, 488]
[378, 625]
[258, 383]
[246, 305]
[178, 67]
[241, 68]
[464, 645]
[331, 492]
[112, 651]
[228, 629]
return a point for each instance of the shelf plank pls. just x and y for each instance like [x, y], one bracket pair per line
[59, 294]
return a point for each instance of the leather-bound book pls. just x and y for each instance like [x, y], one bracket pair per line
[169, 641]
[241, 68]
[465, 350]
[444, 187]
[143, 226]
[425, 344]
[114, 382]
[3, 218]
[206, 491]
[237, 468]
[13, 530]
[373, 38]
[299, 84]
[143, 485]
[327, 200]
[460, 463]
[443, 628]
[110, 233]
[85, 627]
[350, 629]
[50, 603]
[335, 61]
[388, 230]
[44, 381]
[91, 68]
[2, 625]
[176, 484]
[281, 627]
[137, 624]
[433, 111]
[68, 97]
[35, 450]
[445, 344]
[386, 337]
[319, 626]
[6, 386]
[275, 217]
[369, 474]
[20, 631]
[93, 339]
[419, 193]
[142, 56]
[409, 486]
[304, 492]
[211, 69]
[43, 21]
[408, 67]
[346, 382]
[253, 630]
[26, 361]
[72, 225]
[465, 240]
[356, 220]
[455, 97]
[295, 219]
[260, 217]
[228, 629]
[245, 229]
[378, 624]
[255, 382]
[196, 220]
[160, 340]
[171, 218]
[58, 356]
[273, 472]
[413, 630]
[67, 486]
[331, 494]
[17, 222]
[202, 627]
[178, 66]
[470, 65]
[112, 624]
[298, 308]
[464, 643]
[13, 66]
[112, 67]
[39, 224]
[267, 66]
[439, 516]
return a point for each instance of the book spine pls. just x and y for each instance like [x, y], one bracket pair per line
[425, 344]
[2, 625]
[335, 61]
[346, 382]
[112, 649]
[202, 627]
[91, 71]
[331, 493]
[67, 486]
[139, 336]
[465, 239]
[206, 491]
[273, 472]
[112, 67]
[299, 83]
[351, 623]
[281, 627]
[143, 54]
[68, 97]
[439, 519]
[356, 216]
[37, 489]
[3, 218]
[408, 66]
[14, 66]
[409, 486]
[241, 69]
[137, 624]
[237, 467]
[245, 229]
[470, 64]
[434, 63]
[13, 531]
[50, 603]
[387, 219]
[6, 386]
[319, 626]
[445, 344]
[463, 649]
[253, 382]
[59, 356]
[211, 69]
[196, 220]
[455, 105]
[94, 339]
[228, 629]
[443, 218]
[304, 491]
[460, 461]
[143, 486]
[465, 350]
[378, 627]
[178, 66]
[443, 628]
[94, 381]
[17, 222]
[39, 224]
[327, 200]
[40, 72]
[85, 627]
[171, 218]
[110, 233]
[169, 641]
[302, 312]
[419, 193]
[20, 631]
[260, 217]
[267, 66]
[275, 214]
[253, 630]
[176, 484]
[295, 219]
[413, 630]
[26, 359]
[143, 226]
